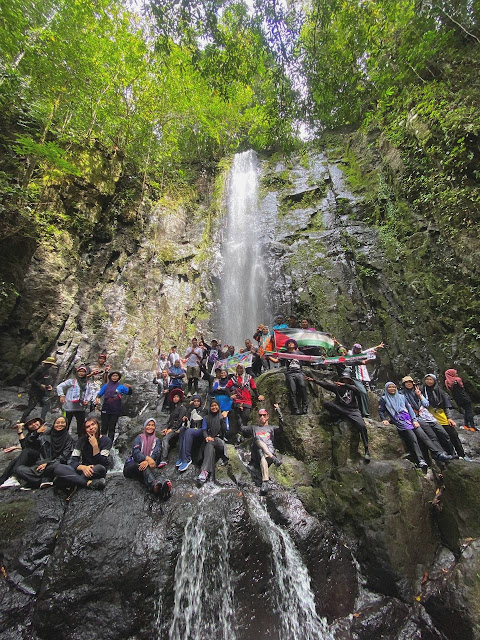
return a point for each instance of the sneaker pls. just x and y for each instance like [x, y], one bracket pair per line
[98, 484]
[162, 464]
[297, 412]
[422, 465]
[264, 488]
[276, 461]
[184, 466]
[178, 462]
[366, 456]
[11, 482]
[203, 477]
[467, 459]
[25, 488]
[444, 457]
[45, 485]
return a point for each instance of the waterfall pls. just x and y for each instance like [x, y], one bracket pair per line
[243, 286]
[294, 598]
[203, 607]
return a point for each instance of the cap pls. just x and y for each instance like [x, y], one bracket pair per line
[407, 379]
[262, 412]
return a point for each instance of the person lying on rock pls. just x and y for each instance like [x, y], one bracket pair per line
[31, 444]
[455, 386]
[394, 409]
[346, 404]
[175, 420]
[214, 430]
[432, 428]
[75, 395]
[295, 379]
[142, 462]
[56, 448]
[262, 448]
[41, 384]
[190, 432]
[112, 394]
[242, 386]
[440, 406]
[89, 462]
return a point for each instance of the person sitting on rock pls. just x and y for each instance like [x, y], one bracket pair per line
[440, 406]
[455, 385]
[394, 409]
[175, 421]
[190, 432]
[176, 374]
[346, 404]
[262, 449]
[56, 448]
[265, 344]
[432, 428]
[162, 380]
[214, 430]
[295, 379]
[256, 368]
[112, 394]
[75, 395]
[31, 445]
[89, 462]
[242, 386]
[41, 384]
[143, 459]
[361, 374]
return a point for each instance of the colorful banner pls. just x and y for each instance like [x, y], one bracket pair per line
[231, 363]
[358, 358]
[304, 338]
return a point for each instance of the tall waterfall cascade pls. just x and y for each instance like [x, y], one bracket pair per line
[243, 299]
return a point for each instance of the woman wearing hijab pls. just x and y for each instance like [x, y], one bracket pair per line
[190, 432]
[440, 406]
[394, 409]
[346, 404]
[74, 395]
[56, 448]
[112, 393]
[89, 462]
[176, 419]
[214, 430]
[455, 385]
[143, 459]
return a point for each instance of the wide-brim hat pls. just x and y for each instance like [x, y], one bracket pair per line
[49, 360]
[119, 374]
[407, 379]
[176, 392]
[32, 420]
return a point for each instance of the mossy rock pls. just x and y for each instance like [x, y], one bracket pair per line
[460, 503]
[292, 473]
[15, 518]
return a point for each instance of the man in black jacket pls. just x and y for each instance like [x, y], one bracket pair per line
[41, 384]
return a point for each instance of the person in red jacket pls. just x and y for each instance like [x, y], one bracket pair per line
[242, 386]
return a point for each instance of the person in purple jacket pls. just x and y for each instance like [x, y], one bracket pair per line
[112, 393]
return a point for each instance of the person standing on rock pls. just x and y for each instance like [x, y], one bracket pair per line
[193, 356]
[175, 421]
[360, 373]
[56, 448]
[162, 380]
[346, 404]
[241, 387]
[262, 449]
[31, 445]
[74, 395]
[89, 462]
[173, 356]
[295, 379]
[440, 406]
[112, 394]
[214, 430]
[41, 384]
[393, 408]
[143, 459]
[97, 377]
[455, 385]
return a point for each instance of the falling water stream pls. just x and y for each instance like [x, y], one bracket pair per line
[243, 284]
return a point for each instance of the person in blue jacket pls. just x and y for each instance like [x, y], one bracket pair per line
[112, 393]
[143, 459]
[89, 462]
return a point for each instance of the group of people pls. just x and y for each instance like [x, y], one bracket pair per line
[200, 426]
